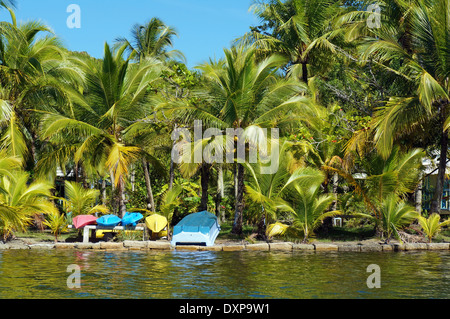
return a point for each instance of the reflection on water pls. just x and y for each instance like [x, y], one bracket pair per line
[150, 274]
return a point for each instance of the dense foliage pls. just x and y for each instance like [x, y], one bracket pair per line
[357, 106]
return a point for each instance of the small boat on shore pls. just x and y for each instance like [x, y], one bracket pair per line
[200, 228]
[83, 220]
[131, 219]
[108, 221]
[157, 225]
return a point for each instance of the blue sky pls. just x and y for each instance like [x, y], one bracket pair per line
[205, 27]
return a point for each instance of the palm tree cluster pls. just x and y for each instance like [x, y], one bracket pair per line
[357, 108]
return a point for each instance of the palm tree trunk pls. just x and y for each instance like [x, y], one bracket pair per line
[220, 192]
[438, 190]
[205, 171]
[418, 196]
[133, 178]
[239, 203]
[103, 191]
[148, 185]
[335, 190]
[305, 72]
[172, 168]
[113, 191]
[262, 225]
[122, 207]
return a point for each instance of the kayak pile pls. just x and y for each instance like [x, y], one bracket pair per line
[199, 228]
[156, 223]
[128, 220]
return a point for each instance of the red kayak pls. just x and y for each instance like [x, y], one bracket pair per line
[83, 220]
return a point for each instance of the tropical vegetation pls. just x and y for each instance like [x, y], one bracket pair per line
[347, 111]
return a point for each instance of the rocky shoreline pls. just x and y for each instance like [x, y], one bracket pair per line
[369, 246]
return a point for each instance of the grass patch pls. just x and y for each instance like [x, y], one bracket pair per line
[225, 232]
[347, 234]
[46, 235]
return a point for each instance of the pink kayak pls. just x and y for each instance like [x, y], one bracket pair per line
[83, 220]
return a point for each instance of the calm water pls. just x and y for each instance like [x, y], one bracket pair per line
[243, 275]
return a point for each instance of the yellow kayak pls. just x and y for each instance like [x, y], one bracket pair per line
[156, 223]
[101, 233]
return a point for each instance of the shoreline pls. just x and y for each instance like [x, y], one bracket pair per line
[164, 245]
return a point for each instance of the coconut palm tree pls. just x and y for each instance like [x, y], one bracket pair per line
[116, 97]
[396, 214]
[377, 178]
[81, 201]
[412, 43]
[297, 29]
[34, 74]
[151, 40]
[311, 207]
[432, 225]
[269, 190]
[57, 222]
[241, 93]
[20, 200]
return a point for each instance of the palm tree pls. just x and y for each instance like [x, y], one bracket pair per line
[243, 94]
[34, 74]
[311, 208]
[116, 97]
[20, 200]
[395, 215]
[412, 43]
[151, 41]
[432, 225]
[269, 190]
[57, 223]
[81, 201]
[297, 29]
[379, 178]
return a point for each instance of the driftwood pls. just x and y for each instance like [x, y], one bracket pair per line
[409, 238]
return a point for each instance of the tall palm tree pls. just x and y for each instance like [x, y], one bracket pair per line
[151, 40]
[297, 29]
[116, 97]
[34, 75]
[422, 63]
[242, 93]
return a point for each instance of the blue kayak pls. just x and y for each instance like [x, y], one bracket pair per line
[130, 219]
[108, 221]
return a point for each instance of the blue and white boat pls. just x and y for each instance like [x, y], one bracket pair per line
[199, 228]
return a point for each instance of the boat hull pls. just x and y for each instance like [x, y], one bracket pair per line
[81, 221]
[131, 219]
[200, 228]
[157, 225]
[108, 221]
